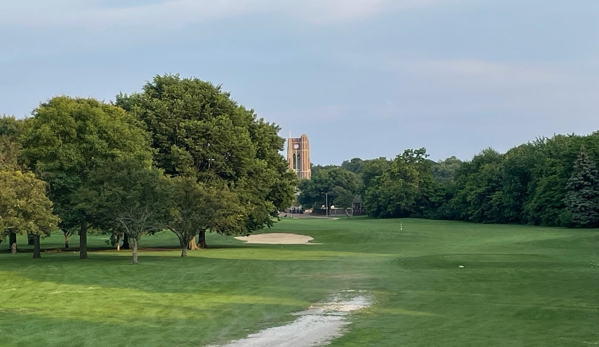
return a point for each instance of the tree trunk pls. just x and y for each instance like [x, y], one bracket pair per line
[12, 239]
[83, 240]
[66, 240]
[36, 247]
[134, 251]
[193, 245]
[183, 252]
[118, 242]
[30, 239]
[126, 242]
[202, 239]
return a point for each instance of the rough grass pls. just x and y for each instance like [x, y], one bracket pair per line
[520, 286]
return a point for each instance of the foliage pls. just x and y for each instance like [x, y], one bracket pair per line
[525, 185]
[10, 148]
[340, 185]
[479, 182]
[445, 170]
[355, 165]
[403, 188]
[11, 126]
[196, 207]
[128, 197]
[199, 131]
[69, 137]
[24, 206]
[582, 193]
[372, 169]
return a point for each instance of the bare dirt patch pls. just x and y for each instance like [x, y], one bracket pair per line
[317, 326]
[276, 239]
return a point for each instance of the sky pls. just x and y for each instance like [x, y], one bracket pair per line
[362, 78]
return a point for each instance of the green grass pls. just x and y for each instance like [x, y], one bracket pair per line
[234, 289]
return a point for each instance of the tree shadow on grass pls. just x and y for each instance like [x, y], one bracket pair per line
[209, 326]
[172, 274]
[97, 249]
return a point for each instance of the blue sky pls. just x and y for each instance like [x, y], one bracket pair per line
[363, 78]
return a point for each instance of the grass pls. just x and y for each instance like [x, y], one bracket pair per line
[520, 286]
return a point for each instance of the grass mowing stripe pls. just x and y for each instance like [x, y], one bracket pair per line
[520, 286]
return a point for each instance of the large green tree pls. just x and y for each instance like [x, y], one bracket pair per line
[479, 187]
[196, 207]
[127, 196]
[199, 131]
[545, 204]
[445, 170]
[69, 137]
[10, 150]
[337, 185]
[25, 208]
[582, 192]
[373, 168]
[404, 187]
[355, 165]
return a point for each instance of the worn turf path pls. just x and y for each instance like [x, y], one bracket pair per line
[520, 286]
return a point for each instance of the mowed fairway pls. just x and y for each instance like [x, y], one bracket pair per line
[520, 286]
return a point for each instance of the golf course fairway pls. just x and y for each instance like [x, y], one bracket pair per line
[432, 283]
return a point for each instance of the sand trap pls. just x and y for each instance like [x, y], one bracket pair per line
[276, 239]
[317, 326]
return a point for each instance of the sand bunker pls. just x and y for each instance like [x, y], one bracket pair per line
[276, 239]
[317, 326]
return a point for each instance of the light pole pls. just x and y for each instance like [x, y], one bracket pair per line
[326, 203]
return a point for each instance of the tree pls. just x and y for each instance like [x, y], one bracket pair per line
[199, 131]
[315, 168]
[444, 170]
[66, 139]
[25, 208]
[11, 126]
[128, 196]
[355, 165]
[10, 148]
[196, 207]
[582, 192]
[372, 169]
[554, 159]
[478, 197]
[404, 187]
[340, 185]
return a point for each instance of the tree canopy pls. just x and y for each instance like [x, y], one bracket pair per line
[340, 185]
[127, 196]
[582, 192]
[199, 131]
[66, 139]
[24, 207]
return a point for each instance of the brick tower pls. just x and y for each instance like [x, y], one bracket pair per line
[298, 156]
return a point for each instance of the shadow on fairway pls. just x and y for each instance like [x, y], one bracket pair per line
[107, 330]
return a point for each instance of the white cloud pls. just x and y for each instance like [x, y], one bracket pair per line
[175, 13]
[479, 71]
[451, 87]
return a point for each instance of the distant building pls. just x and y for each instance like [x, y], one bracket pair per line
[298, 156]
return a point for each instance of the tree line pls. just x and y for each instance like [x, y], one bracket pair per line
[180, 155]
[548, 181]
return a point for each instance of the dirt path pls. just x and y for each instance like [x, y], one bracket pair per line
[276, 239]
[317, 326]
